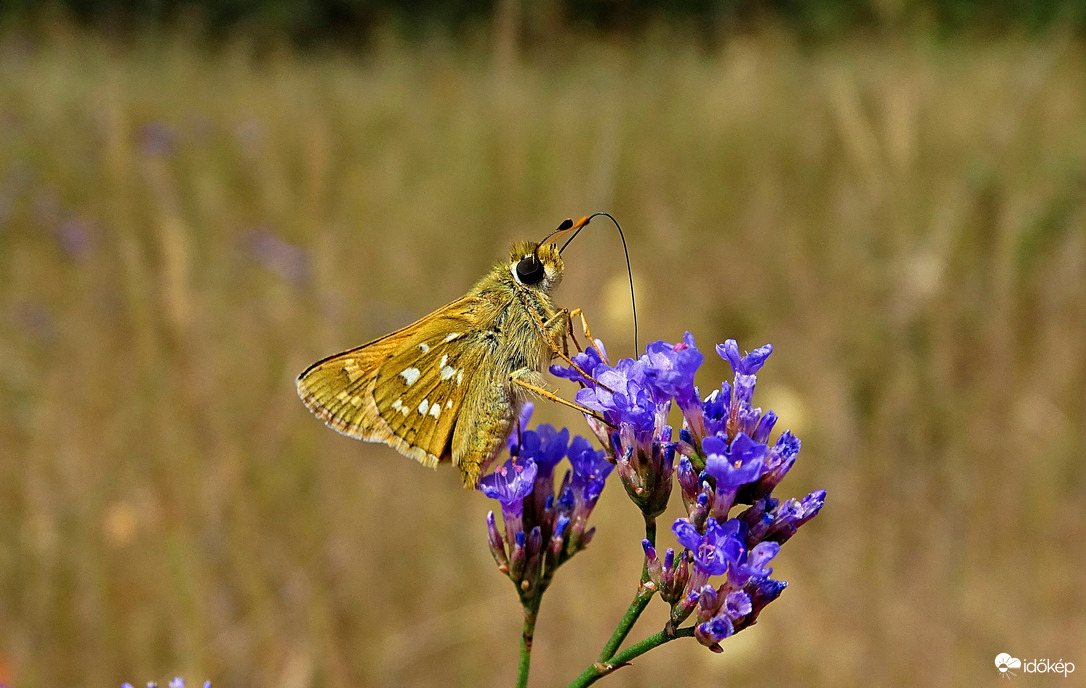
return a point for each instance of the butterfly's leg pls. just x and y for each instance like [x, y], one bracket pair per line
[556, 329]
[515, 378]
[569, 327]
[578, 313]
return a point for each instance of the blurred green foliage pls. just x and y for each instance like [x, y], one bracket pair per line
[352, 20]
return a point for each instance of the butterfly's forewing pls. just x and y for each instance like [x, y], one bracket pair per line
[420, 388]
[387, 390]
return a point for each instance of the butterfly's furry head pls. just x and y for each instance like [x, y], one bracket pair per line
[536, 267]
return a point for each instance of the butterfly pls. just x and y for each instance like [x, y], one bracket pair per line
[448, 387]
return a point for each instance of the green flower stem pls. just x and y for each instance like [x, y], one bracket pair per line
[600, 669]
[640, 601]
[531, 611]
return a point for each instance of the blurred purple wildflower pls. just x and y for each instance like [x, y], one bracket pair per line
[285, 259]
[159, 139]
[77, 238]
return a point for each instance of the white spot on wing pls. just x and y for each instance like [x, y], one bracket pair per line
[448, 404]
[397, 404]
[435, 410]
[459, 377]
[423, 406]
[447, 372]
[424, 347]
[444, 358]
[452, 336]
[410, 375]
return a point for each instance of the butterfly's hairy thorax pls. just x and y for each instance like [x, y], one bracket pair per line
[520, 310]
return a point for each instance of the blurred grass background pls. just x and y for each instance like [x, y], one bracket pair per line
[185, 225]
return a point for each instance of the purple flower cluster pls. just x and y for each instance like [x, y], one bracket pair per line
[634, 398]
[726, 460]
[542, 528]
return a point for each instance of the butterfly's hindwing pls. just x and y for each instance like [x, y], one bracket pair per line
[421, 387]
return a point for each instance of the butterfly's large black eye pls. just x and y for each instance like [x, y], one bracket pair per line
[530, 270]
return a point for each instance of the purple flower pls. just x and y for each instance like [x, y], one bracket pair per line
[731, 467]
[729, 410]
[713, 419]
[736, 465]
[545, 446]
[621, 395]
[669, 576]
[542, 531]
[688, 482]
[77, 237]
[496, 543]
[587, 360]
[779, 461]
[670, 369]
[790, 515]
[635, 422]
[727, 458]
[581, 489]
[753, 564]
[175, 683]
[715, 551]
[510, 483]
[737, 605]
[589, 465]
[762, 427]
[721, 617]
[713, 631]
[743, 365]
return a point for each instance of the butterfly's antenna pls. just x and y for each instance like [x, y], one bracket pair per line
[576, 227]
